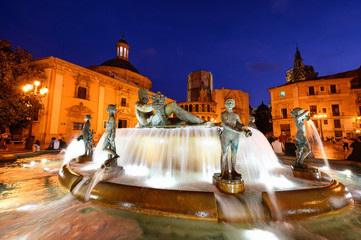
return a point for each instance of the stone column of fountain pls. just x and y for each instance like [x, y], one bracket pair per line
[230, 181]
[87, 136]
[300, 169]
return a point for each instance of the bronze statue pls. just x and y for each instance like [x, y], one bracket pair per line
[109, 141]
[87, 137]
[232, 128]
[251, 123]
[146, 117]
[302, 144]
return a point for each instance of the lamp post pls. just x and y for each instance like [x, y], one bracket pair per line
[34, 92]
[320, 116]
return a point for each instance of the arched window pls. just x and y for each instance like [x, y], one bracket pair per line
[186, 107]
[208, 108]
[203, 108]
[123, 103]
[197, 108]
[203, 117]
[81, 92]
[190, 108]
[208, 118]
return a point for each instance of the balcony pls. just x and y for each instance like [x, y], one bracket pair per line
[334, 92]
[312, 93]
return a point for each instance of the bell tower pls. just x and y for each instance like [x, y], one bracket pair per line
[298, 60]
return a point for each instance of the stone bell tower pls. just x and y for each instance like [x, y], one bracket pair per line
[200, 86]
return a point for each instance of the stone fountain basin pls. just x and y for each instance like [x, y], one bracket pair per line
[202, 205]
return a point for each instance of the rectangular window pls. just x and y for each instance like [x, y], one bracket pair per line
[337, 123]
[359, 109]
[335, 110]
[322, 89]
[122, 123]
[338, 133]
[36, 116]
[311, 90]
[324, 110]
[285, 130]
[123, 102]
[333, 89]
[283, 94]
[284, 112]
[82, 92]
[313, 110]
[77, 126]
[325, 122]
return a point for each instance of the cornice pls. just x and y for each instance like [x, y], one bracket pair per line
[77, 71]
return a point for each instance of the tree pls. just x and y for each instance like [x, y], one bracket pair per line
[15, 71]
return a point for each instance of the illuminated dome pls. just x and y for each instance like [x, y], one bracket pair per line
[120, 63]
[121, 69]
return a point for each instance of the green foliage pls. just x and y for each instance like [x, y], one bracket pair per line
[15, 72]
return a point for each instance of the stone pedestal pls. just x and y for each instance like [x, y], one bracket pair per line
[308, 172]
[230, 186]
[83, 158]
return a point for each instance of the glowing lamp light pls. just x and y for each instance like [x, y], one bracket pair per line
[30, 87]
[25, 88]
[36, 83]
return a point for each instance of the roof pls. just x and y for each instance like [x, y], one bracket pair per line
[355, 74]
[123, 40]
[262, 107]
[120, 63]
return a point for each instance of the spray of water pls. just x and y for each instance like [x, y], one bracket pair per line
[316, 141]
[74, 149]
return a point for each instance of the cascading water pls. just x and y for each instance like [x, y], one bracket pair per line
[75, 149]
[186, 159]
[316, 141]
[187, 154]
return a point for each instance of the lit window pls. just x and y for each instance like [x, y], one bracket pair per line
[121, 51]
[283, 94]
[123, 103]
[77, 126]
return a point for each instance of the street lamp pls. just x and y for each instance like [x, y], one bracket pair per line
[34, 94]
[320, 116]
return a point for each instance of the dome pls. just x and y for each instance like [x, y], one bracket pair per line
[120, 63]
[262, 107]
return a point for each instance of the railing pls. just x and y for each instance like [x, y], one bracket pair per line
[334, 92]
[312, 94]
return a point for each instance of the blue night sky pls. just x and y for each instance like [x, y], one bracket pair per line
[247, 45]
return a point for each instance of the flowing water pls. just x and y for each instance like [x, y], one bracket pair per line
[316, 141]
[34, 206]
[187, 154]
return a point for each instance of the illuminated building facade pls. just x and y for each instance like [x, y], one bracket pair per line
[75, 91]
[208, 103]
[334, 101]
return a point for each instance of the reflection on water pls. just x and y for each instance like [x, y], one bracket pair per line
[34, 206]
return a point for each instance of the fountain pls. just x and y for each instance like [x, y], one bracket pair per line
[167, 170]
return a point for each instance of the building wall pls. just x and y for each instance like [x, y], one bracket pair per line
[298, 94]
[216, 105]
[63, 108]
